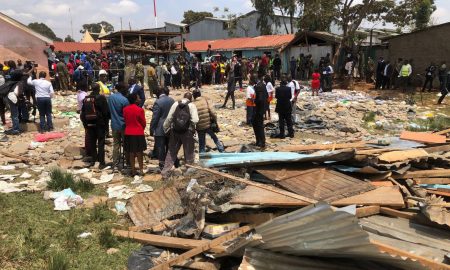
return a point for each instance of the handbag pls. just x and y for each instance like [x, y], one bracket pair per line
[214, 125]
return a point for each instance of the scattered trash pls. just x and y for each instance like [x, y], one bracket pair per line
[65, 199]
[120, 208]
[84, 235]
[45, 137]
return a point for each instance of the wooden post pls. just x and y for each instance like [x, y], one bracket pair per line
[122, 45]
[140, 47]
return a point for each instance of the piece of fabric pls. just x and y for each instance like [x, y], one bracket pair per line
[45, 137]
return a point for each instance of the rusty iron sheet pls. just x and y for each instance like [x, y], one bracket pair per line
[148, 209]
[321, 184]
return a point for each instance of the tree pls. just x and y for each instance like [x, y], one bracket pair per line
[97, 27]
[191, 16]
[44, 30]
[268, 14]
[423, 13]
[265, 8]
[317, 15]
[69, 39]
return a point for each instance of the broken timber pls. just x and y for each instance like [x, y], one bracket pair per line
[165, 241]
[424, 173]
[251, 183]
[205, 247]
[423, 137]
[299, 148]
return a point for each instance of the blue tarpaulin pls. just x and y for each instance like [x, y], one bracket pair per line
[264, 158]
[435, 186]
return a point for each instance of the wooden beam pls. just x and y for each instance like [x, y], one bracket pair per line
[205, 247]
[424, 173]
[367, 211]
[299, 148]
[429, 263]
[165, 241]
[438, 181]
[397, 213]
[251, 183]
[439, 192]
[443, 132]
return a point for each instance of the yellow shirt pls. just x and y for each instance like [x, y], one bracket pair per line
[222, 68]
[151, 73]
[104, 90]
[5, 68]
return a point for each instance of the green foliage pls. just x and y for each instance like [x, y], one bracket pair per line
[266, 9]
[44, 30]
[191, 16]
[60, 180]
[58, 261]
[101, 213]
[423, 13]
[106, 238]
[69, 39]
[430, 124]
[97, 27]
[369, 117]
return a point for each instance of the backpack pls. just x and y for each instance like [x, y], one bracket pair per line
[181, 118]
[90, 112]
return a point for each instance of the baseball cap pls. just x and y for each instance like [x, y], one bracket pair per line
[103, 72]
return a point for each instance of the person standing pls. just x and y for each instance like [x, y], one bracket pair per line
[293, 67]
[277, 66]
[283, 94]
[380, 68]
[222, 72]
[405, 74]
[43, 93]
[139, 73]
[95, 116]
[206, 118]
[152, 80]
[238, 73]
[213, 72]
[15, 92]
[102, 82]
[261, 97]
[161, 110]
[270, 94]
[443, 76]
[429, 77]
[250, 100]
[369, 70]
[134, 143]
[231, 86]
[116, 103]
[180, 124]
[135, 88]
[63, 75]
[387, 75]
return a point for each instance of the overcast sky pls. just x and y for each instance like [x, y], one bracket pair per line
[138, 13]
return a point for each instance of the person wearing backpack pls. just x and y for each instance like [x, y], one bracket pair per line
[11, 92]
[180, 124]
[207, 118]
[94, 116]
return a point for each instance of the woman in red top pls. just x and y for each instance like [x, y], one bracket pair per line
[134, 142]
[315, 84]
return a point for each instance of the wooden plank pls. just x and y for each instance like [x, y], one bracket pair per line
[257, 196]
[396, 213]
[198, 265]
[313, 147]
[424, 173]
[383, 196]
[367, 211]
[251, 183]
[382, 183]
[443, 132]
[423, 137]
[205, 247]
[438, 181]
[439, 192]
[429, 263]
[434, 149]
[396, 156]
[164, 241]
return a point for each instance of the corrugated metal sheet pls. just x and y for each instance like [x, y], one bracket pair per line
[148, 209]
[258, 259]
[318, 230]
[263, 158]
[323, 184]
[68, 47]
[231, 44]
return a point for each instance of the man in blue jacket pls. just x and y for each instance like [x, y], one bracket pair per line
[136, 89]
[116, 103]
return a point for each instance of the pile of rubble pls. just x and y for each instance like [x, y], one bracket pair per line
[365, 206]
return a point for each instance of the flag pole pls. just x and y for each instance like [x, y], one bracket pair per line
[154, 12]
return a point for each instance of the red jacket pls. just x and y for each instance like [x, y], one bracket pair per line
[134, 120]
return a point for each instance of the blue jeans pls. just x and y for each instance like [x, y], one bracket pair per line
[202, 140]
[14, 108]
[249, 118]
[44, 106]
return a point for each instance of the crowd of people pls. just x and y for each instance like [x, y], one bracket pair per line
[399, 75]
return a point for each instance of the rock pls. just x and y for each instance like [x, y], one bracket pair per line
[73, 151]
[19, 148]
[152, 178]
[112, 251]
[78, 164]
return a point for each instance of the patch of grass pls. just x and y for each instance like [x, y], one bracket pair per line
[369, 117]
[101, 213]
[60, 180]
[106, 238]
[58, 261]
[430, 124]
[71, 235]
[51, 233]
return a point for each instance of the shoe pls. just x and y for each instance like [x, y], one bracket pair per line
[101, 166]
[12, 132]
[291, 135]
[278, 136]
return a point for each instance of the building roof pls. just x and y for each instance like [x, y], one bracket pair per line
[23, 27]
[176, 24]
[246, 43]
[87, 37]
[67, 47]
[416, 32]
[307, 37]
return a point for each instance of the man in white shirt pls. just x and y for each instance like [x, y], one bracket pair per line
[44, 93]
